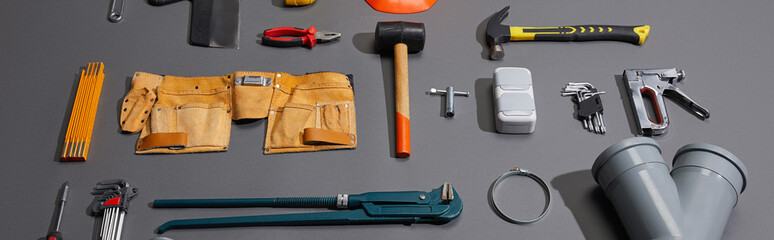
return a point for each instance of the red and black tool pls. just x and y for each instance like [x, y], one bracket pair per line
[296, 37]
[111, 200]
[54, 234]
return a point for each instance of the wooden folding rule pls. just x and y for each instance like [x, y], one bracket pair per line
[78, 136]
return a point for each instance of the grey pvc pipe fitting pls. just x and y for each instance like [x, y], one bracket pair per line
[636, 179]
[709, 180]
[694, 203]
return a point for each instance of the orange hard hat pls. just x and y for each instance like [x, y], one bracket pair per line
[401, 6]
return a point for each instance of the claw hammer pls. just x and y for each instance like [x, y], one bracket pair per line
[497, 33]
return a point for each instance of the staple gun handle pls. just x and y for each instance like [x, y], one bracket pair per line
[658, 106]
[680, 97]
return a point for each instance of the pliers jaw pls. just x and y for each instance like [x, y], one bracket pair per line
[326, 36]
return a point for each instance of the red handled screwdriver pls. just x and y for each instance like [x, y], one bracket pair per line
[56, 235]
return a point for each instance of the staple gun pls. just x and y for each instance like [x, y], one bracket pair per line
[655, 84]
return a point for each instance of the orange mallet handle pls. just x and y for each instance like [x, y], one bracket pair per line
[402, 117]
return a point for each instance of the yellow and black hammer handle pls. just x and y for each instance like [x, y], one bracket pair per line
[630, 34]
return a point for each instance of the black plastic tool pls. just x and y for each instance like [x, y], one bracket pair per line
[214, 23]
[590, 106]
[111, 200]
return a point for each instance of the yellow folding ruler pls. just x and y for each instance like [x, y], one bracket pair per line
[78, 136]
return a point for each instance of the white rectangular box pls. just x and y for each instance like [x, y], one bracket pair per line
[514, 100]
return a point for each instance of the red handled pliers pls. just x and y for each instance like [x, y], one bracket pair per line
[294, 37]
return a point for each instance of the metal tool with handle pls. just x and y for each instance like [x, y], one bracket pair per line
[437, 207]
[54, 234]
[296, 37]
[655, 84]
[449, 93]
[116, 13]
[497, 33]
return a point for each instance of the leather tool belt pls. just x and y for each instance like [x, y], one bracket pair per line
[305, 113]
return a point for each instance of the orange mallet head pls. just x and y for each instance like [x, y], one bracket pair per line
[401, 6]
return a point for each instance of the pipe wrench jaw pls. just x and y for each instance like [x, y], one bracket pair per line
[438, 206]
[652, 85]
[445, 197]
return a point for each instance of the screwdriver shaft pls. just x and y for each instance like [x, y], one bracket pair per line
[62, 201]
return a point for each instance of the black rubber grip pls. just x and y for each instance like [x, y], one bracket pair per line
[162, 2]
[589, 33]
[590, 106]
[282, 42]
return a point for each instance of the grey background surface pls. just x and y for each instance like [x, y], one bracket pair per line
[724, 46]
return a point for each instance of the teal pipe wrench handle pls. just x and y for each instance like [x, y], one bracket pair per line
[357, 216]
[307, 202]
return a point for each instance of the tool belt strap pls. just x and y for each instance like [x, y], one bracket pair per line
[175, 140]
[316, 136]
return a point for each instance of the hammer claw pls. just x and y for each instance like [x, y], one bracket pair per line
[497, 33]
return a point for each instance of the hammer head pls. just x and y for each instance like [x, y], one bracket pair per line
[390, 33]
[497, 34]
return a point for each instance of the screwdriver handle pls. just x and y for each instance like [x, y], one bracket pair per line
[55, 235]
[630, 34]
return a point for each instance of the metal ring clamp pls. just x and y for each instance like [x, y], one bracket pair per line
[519, 172]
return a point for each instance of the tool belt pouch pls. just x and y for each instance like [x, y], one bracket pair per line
[311, 112]
[178, 114]
[192, 114]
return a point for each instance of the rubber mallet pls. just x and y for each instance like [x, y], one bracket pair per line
[402, 38]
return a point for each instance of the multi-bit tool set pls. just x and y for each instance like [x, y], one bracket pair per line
[588, 105]
[316, 111]
[111, 200]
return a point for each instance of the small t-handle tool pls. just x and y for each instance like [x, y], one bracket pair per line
[55, 234]
[439, 206]
[449, 93]
[296, 37]
[497, 33]
[655, 84]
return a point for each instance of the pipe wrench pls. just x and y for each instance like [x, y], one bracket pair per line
[655, 84]
[439, 206]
